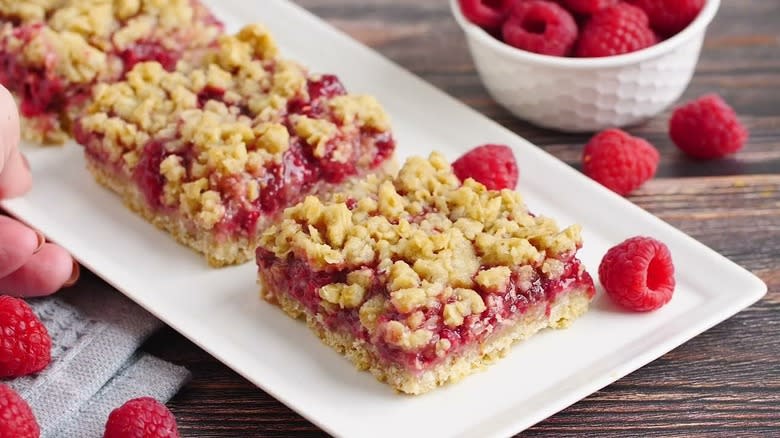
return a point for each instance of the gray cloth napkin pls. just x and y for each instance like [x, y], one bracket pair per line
[95, 365]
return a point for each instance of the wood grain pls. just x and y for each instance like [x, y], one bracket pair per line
[725, 382]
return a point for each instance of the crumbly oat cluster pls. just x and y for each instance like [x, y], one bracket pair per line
[80, 33]
[434, 245]
[54, 50]
[225, 125]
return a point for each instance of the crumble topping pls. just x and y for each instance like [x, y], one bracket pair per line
[438, 245]
[87, 19]
[29, 10]
[400, 335]
[317, 133]
[80, 33]
[363, 110]
[467, 302]
[79, 61]
[346, 296]
[371, 310]
[154, 99]
[496, 279]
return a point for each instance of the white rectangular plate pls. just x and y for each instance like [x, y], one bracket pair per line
[220, 309]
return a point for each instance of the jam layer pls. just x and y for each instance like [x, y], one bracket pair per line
[300, 282]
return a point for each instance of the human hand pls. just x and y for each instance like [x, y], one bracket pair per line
[29, 266]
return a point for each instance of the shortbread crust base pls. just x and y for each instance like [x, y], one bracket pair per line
[569, 305]
[218, 252]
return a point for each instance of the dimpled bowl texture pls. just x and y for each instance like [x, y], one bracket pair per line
[587, 94]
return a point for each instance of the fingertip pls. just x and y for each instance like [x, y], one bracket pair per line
[45, 273]
[9, 122]
[75, 274]
[18, 242]
[15, 177]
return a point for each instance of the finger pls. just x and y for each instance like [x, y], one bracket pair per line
[9, 126]
[17, 244]
[15, 176]
[46, 272]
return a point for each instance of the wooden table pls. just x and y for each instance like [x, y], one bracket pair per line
[725, 382]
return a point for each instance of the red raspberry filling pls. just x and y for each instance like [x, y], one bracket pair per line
[638, 274]
[284, 182]
[540, 27]
[147, 173]
[144, 51]
[41, 91]
[319, 90]
[210, 93]
[303, 284]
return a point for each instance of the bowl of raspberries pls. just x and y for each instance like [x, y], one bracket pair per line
[585, 65]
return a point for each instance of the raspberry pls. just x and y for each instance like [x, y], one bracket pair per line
[638, 274]
[589, 6]
[16, 418]
[25, 345]
[707, 128]
[492, 165]
[142, 417]
[540, 27]
[618, 161]
[616, 30]
[489, 14]
[669, 17]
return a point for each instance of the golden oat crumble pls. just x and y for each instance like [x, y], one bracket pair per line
[79, 62]
[436, 244]
[28, 10]
[79, 33]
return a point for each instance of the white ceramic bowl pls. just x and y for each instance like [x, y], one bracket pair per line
[587, 94]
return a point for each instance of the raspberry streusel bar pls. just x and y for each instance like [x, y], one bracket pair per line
[53, 51]
[422, 279]
[212, 153]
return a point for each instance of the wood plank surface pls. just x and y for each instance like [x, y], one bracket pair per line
[725, 382]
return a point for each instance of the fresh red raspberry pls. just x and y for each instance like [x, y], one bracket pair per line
[489, 14]
[638, 274]
[540, 27]
[707, 128]
[25, 345]
[16, 418]
[589, 6]
[142, 417]
[619, 161]
[492, 165]
[669, 17]
[616, 30]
